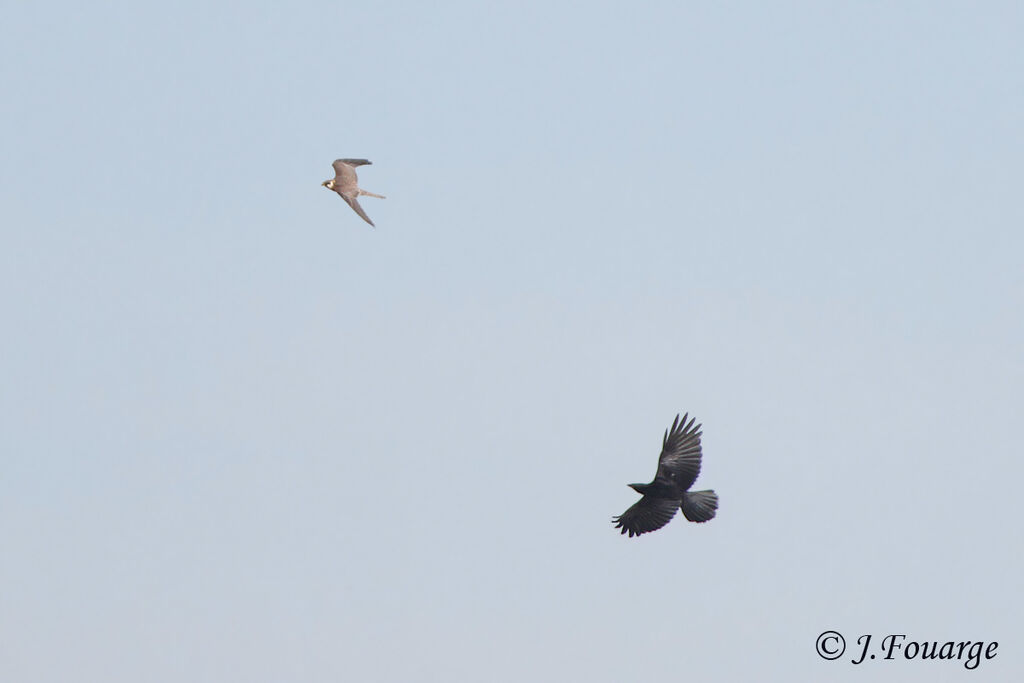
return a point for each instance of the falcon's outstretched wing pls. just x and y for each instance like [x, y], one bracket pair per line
[354, 203]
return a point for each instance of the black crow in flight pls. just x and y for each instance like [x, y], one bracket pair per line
[678, 467]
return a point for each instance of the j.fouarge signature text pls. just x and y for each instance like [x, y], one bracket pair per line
[894, 642]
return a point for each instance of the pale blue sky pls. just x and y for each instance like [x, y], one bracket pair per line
[246, 437]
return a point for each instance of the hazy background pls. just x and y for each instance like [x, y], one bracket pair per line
[246, 437]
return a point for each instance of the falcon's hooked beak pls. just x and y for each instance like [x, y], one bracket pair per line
[329, 184]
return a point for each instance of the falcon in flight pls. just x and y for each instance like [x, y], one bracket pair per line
[346, 184]
[678, 467]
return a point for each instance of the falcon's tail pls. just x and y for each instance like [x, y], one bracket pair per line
[699, 506]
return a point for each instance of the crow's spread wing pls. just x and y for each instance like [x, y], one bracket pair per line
[647, 514]
[680, 453]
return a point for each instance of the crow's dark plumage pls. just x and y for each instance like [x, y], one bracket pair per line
[678, 467]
